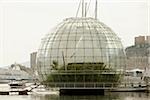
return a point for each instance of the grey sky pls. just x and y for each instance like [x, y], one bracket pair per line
[24, 22]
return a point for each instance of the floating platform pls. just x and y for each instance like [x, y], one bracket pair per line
[23, 92]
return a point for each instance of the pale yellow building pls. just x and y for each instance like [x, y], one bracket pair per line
[138, 55]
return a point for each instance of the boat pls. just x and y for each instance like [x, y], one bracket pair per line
[41, 90]
[17, 84]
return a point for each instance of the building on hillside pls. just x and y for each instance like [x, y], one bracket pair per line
[138, 55]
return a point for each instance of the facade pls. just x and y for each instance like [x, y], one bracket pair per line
[78, 48]
[148, 57]
[138, 55]
[147, 39]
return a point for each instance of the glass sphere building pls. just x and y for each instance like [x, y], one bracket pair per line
[80, 41]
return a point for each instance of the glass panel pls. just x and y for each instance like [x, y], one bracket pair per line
[62, 44]
[71, 38]
[71, 44]
[55, 44]
[88, 44]
[89, 52]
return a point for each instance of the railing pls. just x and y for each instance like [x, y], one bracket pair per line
[86, 72]
[96, 85]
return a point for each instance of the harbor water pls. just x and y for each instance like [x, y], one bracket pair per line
[108, 96]
[56, 96]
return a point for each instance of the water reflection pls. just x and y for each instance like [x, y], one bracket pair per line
[108, 96]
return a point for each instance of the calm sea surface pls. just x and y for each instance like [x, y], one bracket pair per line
[108, 96]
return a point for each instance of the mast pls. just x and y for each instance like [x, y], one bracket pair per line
[96, 9]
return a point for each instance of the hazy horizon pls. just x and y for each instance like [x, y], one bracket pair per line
[24, 22]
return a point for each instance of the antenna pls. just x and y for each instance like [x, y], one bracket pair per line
[82, 8]
[96, 10]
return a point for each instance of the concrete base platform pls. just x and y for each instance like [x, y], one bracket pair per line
[81, 91]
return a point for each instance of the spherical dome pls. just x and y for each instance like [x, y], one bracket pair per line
[80, 40]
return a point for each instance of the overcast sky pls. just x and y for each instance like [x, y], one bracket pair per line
[24, 22]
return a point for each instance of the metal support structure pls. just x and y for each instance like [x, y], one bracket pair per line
[96, 10]
[85, 9]
[148, 10]
[82, 8]
[78, 9]
[135, 86]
